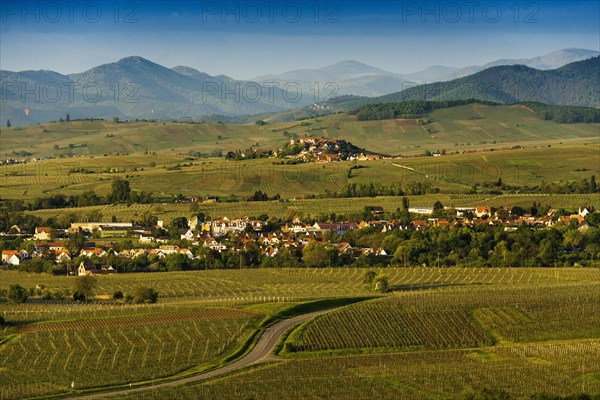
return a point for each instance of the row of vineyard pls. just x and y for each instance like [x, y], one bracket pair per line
[457, 316]
[46, 362]
[521, 370]
[386, 324]
[520, 314]
[137, 321]
[302, 283]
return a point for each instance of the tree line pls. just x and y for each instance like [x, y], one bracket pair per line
[408, 109]
[420, 108]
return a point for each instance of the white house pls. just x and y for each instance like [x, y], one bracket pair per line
[86, 268]
[185, 252]
[11, 257]
[214, 245]
[43, 233]
[480, 211]
[223, 226]
[420, 210]
[96, 251]
[146, 238]
[62, 255]
[189, 235]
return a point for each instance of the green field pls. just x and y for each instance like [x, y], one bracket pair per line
[46, 357]
[157, 164]
[457, 128]
[451, 318]
[312, 208]
[562, 368]
[451, 174]
[439, 333]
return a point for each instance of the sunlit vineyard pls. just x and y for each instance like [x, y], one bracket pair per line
[314, 207]
[522, 370]
[47, 358]
[352, 328]
[304, 283]
[456, 317]
[439, 332]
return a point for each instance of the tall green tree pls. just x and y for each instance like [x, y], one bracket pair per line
[83, 287]
[121, 191]
[145, 295]
[315, 255]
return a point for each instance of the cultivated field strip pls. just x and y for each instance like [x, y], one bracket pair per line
[562, 368]
[136, 321]
[351, 328]
[93, 353]
[456, 317]
[276, 284]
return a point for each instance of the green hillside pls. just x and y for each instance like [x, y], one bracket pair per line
[455, 128]
[575, 84]
[161, 175]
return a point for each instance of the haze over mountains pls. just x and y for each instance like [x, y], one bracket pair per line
[138, 88]
[351, 75]
[347, 77]
[552, 60]
[575, 84]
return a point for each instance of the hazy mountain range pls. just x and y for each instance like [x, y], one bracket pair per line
[346, 77]
[355, 78]
[132, 88]
[549, 61]
[138, 88]
[575, 84]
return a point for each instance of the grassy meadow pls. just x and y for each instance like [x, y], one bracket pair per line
[152, 157]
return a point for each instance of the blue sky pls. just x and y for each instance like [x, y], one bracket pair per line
[245, 39]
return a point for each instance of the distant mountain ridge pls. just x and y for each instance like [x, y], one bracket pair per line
[136, 88]
[549, 61]
[348, 77]
[131, 88]
[575, 84]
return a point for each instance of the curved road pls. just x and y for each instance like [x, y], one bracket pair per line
[260, 353]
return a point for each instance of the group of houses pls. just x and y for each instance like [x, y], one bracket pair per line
[322, 150]
[472, 216]
[224, 234]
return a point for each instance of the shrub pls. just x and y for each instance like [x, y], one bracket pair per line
[369, 276]
[77, 296]
[380, 284]
[84, 287]
[117, 295]
[488, 394]
[145, 295]
[17, 294]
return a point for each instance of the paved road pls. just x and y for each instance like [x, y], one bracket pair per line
[260, 353]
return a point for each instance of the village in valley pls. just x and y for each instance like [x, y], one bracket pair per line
[75, 251]
[300, 200]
